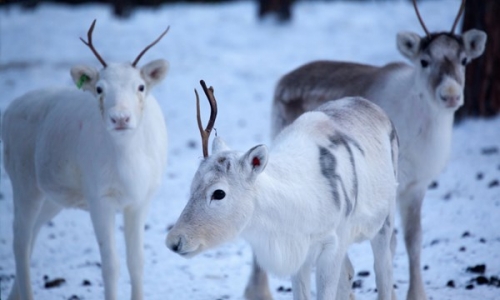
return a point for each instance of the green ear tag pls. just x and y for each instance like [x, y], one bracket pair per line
[82, 80]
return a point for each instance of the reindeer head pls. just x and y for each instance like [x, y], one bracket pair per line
[222, 191]
[440, 60]
[121, 88]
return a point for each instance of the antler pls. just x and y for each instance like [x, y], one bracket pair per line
[91, 46]
[460, 11]
[149, 46]
[420, 19]
[205, 133]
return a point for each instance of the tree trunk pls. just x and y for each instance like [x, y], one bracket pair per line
[281, 8]
[482, 78]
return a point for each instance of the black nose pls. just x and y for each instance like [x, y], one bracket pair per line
[176, 245]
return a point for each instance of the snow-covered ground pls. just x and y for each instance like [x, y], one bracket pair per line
[243, 59]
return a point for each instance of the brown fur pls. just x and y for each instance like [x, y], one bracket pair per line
[296, 93]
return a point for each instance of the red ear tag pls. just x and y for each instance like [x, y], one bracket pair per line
[255, 162]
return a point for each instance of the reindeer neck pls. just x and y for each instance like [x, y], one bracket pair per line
[286, 197]
[286, 210]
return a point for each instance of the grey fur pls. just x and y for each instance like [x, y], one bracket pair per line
[341, 139]
[292, 96]
[328, 164]
[345, 140]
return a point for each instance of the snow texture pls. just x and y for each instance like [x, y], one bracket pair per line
[226, 45]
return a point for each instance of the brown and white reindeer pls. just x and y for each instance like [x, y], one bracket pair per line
[102, 149]
[328, 181]
[421, 101]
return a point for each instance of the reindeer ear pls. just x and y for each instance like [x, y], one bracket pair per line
[474, 42]
[255, 160]
[408, 44]
[85, 77]
[218, 145]
[154, 72]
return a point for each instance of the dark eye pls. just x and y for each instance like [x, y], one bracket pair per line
[218, 195]
[98, 89]
[424, 63]
[464, 61]
[141, 88]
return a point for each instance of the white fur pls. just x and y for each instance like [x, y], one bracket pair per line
[421, 101]
[284, 205]
[102, 152]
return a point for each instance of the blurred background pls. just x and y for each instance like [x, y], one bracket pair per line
[483, 77]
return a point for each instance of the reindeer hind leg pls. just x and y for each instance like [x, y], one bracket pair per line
[382, 252]
[28, 202]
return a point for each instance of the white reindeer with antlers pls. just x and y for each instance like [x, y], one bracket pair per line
[420, 100]
[328, 181]
[103, 150]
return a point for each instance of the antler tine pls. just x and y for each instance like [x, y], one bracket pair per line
[460, 11]
[149, 46]
[420, 18]
[91, 46]
[205, 133]
[200, 126]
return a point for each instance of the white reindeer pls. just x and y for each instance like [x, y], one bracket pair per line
[421, 101]
[103, 151]
[328, 181]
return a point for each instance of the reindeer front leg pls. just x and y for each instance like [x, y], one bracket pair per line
[328, 268]
[103, 219]
[410, 206]
[258, 284]
[134, 232]
[301, 282]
